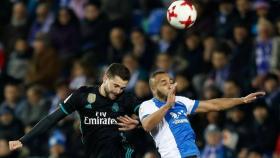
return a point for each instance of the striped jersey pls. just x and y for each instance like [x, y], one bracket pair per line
[174, 136]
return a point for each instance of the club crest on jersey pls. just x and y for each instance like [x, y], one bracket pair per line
[115, 107]
[91, 98]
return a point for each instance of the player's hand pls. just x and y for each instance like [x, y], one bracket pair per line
[171, 95]
[127, 123]
[13, 145]
[251, 97]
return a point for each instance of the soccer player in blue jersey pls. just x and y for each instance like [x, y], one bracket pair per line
[165, 116]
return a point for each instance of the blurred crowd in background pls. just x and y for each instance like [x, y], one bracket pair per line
[49, 48]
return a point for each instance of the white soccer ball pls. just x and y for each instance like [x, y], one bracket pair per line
[181, 14]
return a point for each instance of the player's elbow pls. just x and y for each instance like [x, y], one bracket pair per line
[147, 126]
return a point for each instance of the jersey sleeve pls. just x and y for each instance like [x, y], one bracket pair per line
[73, 102]
[190, 104]
[43, 125]
[146, 108]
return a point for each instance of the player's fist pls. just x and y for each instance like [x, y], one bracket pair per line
[253, 96]
[13, 145]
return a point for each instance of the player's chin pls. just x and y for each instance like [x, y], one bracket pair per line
[112, 96]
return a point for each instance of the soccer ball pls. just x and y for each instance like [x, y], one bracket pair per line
[181, 14]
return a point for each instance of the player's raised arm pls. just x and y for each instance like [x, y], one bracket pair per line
[226, 103]
[151, 121]
[41, 127]
[66, 107]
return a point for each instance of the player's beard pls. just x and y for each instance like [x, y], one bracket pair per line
[107, 93]
[161, 95]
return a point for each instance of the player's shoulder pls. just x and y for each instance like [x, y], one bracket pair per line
[180, 98]
[147, 103]
[183, 100]
[87, 89]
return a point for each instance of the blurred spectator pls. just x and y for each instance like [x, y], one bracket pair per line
[142, 90]
[164, 62]
[94, 29]
[154, 17]
[2, 58]
[263, 129]
[209, 45]
[272, 88]
[184, 86]
[237, 122]
[12, 96]
[136, 72]
[204, 20]
[143, 48]
[62, 91]
[18, 26]
[78, 7]
[118, 45]
[42, 23]
[262, 8]
[10, 127]
[267, 48]
[266, 51]
[44, 67]
[191, 51]
[81, 74]
[277, 24]
[221, 65]
[34, 107]
[167, 42]
[255, 153]
[57, 144]
[271, 83]
[231, 89]
[214, 146]
[241, 58]
[244, 13]
[210, 92]
[224, 19]
[64, 34]
[18, 60]
[118, 11]
[230, 138]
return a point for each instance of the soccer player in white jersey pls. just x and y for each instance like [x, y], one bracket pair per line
[165, 116]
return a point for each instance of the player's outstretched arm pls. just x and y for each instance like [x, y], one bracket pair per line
[152, 120]
[226, 103]
[42, 126]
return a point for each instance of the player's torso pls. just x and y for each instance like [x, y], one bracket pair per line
[175, 136]
[98, 116]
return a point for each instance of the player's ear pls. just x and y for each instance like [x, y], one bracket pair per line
[105, 77]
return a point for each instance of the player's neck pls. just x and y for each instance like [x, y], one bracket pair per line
[162, 99]
[102, 90]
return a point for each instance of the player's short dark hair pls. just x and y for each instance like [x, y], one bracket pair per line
[157, 72]
[117, 69]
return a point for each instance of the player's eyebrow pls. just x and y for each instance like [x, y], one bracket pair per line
[122, 87]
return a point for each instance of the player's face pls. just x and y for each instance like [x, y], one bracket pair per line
[163, 84]
[114, 87]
